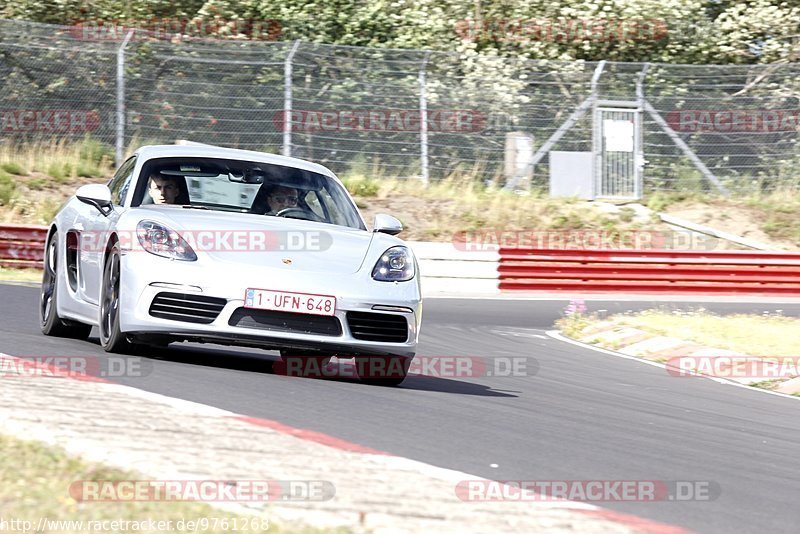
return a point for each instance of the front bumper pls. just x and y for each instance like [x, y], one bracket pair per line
[144, 276]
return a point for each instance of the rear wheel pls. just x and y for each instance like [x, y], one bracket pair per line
[111, 339]
[51, 324]
[383, 370]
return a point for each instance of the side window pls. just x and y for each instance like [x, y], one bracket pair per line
[121, 181]
[312, 201]
[335, 216]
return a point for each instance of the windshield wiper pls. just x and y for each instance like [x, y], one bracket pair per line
[190, 207]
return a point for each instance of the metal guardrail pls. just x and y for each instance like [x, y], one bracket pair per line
[22, 246]
[529, 269]
[657, 271]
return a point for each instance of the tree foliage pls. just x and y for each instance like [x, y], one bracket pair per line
[669, 31]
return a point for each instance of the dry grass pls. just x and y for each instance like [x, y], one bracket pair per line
[456, 205]
[756, 335]
[777, 215]
[61, 159]
[20, 275]
[36, 178]
[771, 214]
[44, 174]
[34, 483]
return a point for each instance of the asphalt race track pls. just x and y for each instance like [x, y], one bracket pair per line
[575, 414]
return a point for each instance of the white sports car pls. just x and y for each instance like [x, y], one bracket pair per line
[208, 244]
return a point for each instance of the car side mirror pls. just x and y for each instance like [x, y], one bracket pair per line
[387, 224]
[97, 195]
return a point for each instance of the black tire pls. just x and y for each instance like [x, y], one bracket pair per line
[383, 370]
[111, 339]
[49, 320]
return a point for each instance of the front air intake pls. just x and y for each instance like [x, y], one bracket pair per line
[280, 321]
[382, 327]
[187, 307]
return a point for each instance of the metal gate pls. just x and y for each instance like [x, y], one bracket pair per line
[617, 150]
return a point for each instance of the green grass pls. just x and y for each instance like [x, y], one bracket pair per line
[765, 384]
[88, 170]
[659, 201]
[35, 481]
[778, 215]
[573, 325]
[37, 184]
[361, 186]
[95, 152]
[8, 188]
[60, 171]
[12, 167]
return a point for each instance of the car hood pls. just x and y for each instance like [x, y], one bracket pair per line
[259, 240]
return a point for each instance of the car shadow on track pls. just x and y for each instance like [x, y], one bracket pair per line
[342, 371]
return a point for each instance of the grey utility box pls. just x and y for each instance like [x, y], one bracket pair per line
[571, 175]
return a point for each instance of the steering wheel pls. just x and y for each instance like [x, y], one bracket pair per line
[292, 213]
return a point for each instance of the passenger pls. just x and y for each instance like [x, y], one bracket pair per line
[163, 190]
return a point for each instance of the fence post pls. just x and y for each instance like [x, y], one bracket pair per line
[120, 141]
[639, 156]
[287, 100]
[564, 128]
[423, 122]
[698, 163]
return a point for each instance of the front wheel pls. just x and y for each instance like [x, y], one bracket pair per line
[383, 370]
[49, 321]
[111, 339]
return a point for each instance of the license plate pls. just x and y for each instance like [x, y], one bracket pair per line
[264, 299]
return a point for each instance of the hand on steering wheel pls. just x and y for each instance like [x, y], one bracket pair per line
[305, 214]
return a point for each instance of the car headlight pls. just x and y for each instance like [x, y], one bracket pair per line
[157, 239]
[395, 265]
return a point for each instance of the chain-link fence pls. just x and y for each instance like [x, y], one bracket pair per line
[725, 128]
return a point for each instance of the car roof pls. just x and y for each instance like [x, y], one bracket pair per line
[210, 151]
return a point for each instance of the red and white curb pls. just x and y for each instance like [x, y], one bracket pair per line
[120, 426]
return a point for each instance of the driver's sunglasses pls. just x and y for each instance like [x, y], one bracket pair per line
[292, 201]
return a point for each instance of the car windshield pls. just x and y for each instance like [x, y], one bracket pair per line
[238, 186]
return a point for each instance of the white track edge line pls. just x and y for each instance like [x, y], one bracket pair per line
[556, 334]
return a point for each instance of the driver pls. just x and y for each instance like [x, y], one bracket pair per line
[281, 198]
